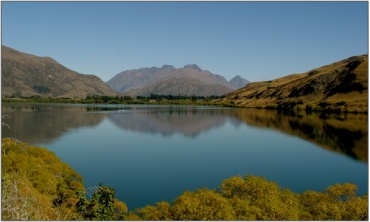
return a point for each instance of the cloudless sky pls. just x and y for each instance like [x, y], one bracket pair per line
[256, 40]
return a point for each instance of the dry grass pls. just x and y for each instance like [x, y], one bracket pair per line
[332, 84]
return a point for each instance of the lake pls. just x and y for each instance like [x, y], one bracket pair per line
[153, 153]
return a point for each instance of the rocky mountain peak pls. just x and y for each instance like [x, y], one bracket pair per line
[193, 66]
[168, 67]
[238, 82]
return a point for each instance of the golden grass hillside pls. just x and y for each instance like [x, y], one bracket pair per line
[341, 86]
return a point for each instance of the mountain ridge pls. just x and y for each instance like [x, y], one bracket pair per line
[138, 82]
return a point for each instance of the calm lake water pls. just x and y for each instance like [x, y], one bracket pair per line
[153, 153]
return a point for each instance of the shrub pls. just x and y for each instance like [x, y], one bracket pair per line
[255, 198]
[310, 107]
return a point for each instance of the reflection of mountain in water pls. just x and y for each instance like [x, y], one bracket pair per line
[35, 123]
[186, 121]
[344, 133]
[42, 124]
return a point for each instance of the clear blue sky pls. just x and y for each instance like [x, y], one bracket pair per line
[256, 40]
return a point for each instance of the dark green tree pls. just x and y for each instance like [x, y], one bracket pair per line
[99, 207]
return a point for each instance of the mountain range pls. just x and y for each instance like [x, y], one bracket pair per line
[342, 85]
[27, 75]
[167, 80]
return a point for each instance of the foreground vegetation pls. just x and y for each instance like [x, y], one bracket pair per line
[36, 185]
[255, 198]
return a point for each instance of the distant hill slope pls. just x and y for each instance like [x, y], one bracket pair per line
[342, 85]
[190, 80]
[27, 75]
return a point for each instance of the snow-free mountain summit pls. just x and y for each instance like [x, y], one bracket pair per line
[167, 80]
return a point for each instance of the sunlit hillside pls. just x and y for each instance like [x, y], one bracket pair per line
[341, 86]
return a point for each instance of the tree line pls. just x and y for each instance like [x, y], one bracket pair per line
[93, 98]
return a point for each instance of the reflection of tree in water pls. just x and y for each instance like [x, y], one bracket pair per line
[344, 133]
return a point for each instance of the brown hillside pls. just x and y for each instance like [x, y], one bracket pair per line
[342, 85]
[27, 75]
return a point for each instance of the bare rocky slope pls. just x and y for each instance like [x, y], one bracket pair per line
[29, 75]
[339, 86]
[180, 86]
[167, 80]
